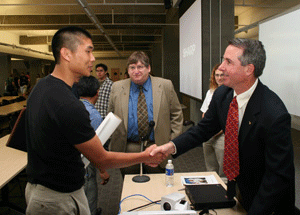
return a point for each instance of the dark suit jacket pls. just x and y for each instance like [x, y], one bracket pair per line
[267, 174]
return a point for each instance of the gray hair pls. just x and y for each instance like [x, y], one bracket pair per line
[254, 53]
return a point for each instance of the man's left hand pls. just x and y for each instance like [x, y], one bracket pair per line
[105, 177]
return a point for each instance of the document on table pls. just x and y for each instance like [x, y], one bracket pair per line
[104, 131]
[199, 180]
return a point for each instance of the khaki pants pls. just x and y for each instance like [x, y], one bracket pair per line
[42, 200]
[213, 151]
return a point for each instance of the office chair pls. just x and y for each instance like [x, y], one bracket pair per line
[20, 98]
[5, 102]
[17, 138]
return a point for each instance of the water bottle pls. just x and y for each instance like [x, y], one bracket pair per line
[169, 174]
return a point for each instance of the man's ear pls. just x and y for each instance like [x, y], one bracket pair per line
[65, 53]
[149, 67]
[250, 69]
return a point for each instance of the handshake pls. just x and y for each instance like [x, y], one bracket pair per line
[154, 154]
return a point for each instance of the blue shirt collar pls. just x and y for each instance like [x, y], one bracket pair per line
[146, 85]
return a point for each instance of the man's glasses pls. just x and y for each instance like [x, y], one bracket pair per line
[137, 67]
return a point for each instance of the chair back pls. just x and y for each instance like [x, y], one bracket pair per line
[20, 98]
[5, 102]
[17, 138]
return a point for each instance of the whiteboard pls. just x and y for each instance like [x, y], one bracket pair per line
[281, 39]
[190, 51]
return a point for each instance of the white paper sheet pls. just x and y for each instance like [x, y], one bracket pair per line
[199, 180]
[107, 127]
[104, 131]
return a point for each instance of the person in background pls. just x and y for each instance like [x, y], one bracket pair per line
[23, 83]
[58, 131]
[126, 75]
[88, 88]
[263, 175]
[10, 88]
[104, 93]
[38, 77]
[107, 75]
[104, 90]
[16, 79]
[29, 80]
[214, 148]
[163, 108]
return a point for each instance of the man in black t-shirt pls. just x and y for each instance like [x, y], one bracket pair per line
[58, 131]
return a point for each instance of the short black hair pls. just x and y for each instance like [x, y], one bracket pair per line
[88, 86]
[101, 65]
[68, 37]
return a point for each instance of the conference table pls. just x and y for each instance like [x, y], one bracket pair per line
[12, 162]
[156, 188]
[12, 108]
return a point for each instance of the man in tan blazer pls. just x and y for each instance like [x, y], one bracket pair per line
[163, 108]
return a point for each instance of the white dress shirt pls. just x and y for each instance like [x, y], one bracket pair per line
[243, 100]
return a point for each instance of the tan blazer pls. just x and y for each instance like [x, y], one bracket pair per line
[167, 112]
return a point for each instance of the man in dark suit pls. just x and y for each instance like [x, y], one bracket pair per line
[266, 179]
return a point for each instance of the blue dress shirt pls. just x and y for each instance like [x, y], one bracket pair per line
[95, 116]
[132, 133]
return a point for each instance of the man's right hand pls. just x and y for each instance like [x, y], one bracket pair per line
[153, 160]
[165, 149]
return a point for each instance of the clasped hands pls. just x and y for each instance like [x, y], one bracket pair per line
[156, 154]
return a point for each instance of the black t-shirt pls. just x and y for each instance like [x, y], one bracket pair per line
[55, 121]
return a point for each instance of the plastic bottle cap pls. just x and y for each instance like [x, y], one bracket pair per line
[169, 161]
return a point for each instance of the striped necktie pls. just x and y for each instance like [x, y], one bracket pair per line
[142, 114]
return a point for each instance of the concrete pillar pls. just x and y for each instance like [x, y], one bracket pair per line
[5, 71]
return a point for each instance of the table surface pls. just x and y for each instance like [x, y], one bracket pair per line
[12, 161]
[12, 108]
[156, 188]
[8, 98]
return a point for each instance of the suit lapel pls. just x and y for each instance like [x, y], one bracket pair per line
[156, 92]
[251, 113]
[125, 102]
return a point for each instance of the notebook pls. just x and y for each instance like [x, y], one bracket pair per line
[210, 196]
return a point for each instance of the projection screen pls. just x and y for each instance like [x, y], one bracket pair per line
[190, 51]
[281, 38]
